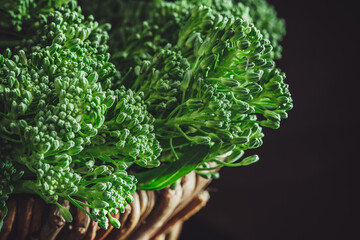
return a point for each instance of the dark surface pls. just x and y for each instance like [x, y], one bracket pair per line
[304, 185]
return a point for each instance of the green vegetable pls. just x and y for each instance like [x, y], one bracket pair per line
[213, 87]
[146, 26]
[163, 176]
[62, 122]
[92, 112]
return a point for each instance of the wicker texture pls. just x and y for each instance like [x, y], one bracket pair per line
[152, 215]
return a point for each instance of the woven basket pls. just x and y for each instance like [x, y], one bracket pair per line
[152, 215]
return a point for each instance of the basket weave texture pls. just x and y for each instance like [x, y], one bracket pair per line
[152, 215]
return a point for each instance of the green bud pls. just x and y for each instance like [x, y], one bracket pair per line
[228, 34]
[114, 222]
[272, 86]
[260, 62]
[192, 39]
[134, 153]
[186, 80]
[240, 106]
[104, 224]
[255, 143]
[40, 174]
[208, 61]
[75, 150]
[93, 78]
[270, 64]
[115, 133]
[205, 47]
[100, 204]
[250, 160]
[65, 213]
[11, 65]
[69, 190]
[59, 39]
[283, 100]
[254, 88]
[45, 147]
[98, 140]
[99, 121]
[229, 82]
[288, 106]
[124, 134]
[120, 144]
[273, 116]
[137, 70]
[244, 44]
[240, 140]
[100, 170]
[254, 76]
[240, 90]
[68, 145]
[270, 124]
[219, 47]
[100, 186]
[7, 53]
[23, 58]
[194, 103]
[121, 117]
[73, 44]
[62, 158]
[109, 101]
[283, 114]
[201, 140]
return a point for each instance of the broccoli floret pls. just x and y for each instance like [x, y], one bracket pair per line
[15, 14]
[149, 25]
[126, 135]
[72, 134]
[183, 76]
[218, 85]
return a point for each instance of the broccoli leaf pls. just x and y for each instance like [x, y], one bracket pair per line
[170, 173]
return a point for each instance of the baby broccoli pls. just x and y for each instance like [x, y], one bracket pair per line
[72, 135]
[87, 108]
[218, 86]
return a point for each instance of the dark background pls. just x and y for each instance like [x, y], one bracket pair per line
[304, 185]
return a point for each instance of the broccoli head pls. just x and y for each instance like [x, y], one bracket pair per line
[61, 122]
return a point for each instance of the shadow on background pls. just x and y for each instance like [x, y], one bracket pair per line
[303, 187]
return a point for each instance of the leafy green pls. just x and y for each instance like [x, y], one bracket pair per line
[161, 177]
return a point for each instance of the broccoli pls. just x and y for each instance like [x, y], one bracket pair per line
[217, 86]
[149, 25]
[16, 13]
[92, 112]
[72, 135]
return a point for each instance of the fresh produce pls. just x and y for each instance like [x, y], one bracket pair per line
[99, 98]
